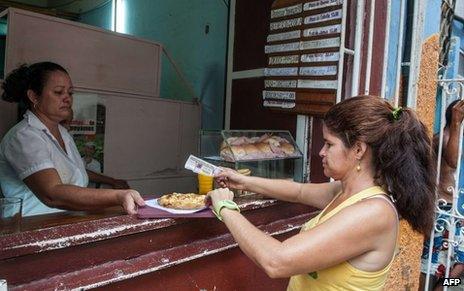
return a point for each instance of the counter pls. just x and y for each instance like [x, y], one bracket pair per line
[112, 250]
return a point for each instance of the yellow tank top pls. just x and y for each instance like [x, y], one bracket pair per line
[342, 276]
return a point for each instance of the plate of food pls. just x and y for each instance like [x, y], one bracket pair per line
[179, 203]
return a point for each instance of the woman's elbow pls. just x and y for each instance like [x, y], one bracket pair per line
[50, 202]
[276, 267]
[451, 161]
[49, 199]
[275, 274]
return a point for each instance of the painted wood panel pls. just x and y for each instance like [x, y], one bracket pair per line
[96, 58]
[123, 250]
[148, 140]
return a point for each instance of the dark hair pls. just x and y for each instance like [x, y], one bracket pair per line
[449, 112]
[33, 77]
[402, 154]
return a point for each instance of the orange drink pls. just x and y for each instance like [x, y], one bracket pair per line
[205, 184]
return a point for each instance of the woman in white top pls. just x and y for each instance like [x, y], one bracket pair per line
[39, 161]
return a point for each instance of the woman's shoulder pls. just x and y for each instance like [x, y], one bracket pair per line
[374, 213]
[22, 132]
[378, 206]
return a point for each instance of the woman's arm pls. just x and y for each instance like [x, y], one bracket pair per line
[317, 195]
[102, 179]
[47, 186]
[451, 146]
[347, 235]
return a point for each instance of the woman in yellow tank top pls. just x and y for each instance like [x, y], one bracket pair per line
[380, 159]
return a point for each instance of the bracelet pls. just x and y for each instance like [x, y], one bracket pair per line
[229, 204]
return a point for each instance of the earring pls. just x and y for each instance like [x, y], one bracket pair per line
[35, 106]
[358, 167]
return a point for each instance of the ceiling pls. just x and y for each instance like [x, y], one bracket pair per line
[69, 9]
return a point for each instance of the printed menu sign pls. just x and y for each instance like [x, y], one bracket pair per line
[303, 53]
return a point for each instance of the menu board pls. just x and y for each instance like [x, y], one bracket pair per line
[303, 53]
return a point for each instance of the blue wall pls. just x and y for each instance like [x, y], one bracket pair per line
[431, 26]
[180, 26]
[100, 16]
[432, 18]
[458, 31]
[393, 51]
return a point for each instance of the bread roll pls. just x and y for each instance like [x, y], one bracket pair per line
[272, 141]
[278, 152]
[226, 154]
[254, 139]
[287, 148]
[237, 141]
[251, 149]
[264, 137]
[264, 148]
[280, 139]
[238, 151]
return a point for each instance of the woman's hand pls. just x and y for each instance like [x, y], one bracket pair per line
[130, 200]
[457, 113]
[229, 178]
[219, 195]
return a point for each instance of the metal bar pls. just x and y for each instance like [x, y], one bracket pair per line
[302, 130]
[310, 148]
[455, 215]
[451, 233]
[451, 80]
[400, 51]
[367, 81]
[440, 153]
[386, 51]
[230, 64]
[348, 51]
[416, 51]
[114, 14]
[448, 89]
[357, 47]
[342, 54]
[256, 73]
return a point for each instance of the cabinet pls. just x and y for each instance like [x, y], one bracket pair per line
[266, 153]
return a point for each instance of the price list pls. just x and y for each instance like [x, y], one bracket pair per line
[303, 53]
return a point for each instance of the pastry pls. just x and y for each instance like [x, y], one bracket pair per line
[250, 149]
[182, 201]
[245, 172]
[272, 141]
[238, 151]
[287, 148]
[264, 148]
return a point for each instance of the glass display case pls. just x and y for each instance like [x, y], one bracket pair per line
[262, 153]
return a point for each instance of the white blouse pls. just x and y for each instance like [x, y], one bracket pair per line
[28, 148]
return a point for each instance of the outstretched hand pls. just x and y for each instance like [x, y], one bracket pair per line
[130, 200]
[229, 178]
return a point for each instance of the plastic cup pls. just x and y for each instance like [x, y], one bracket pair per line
[3, 285]
[10, 215]
[205, 184]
